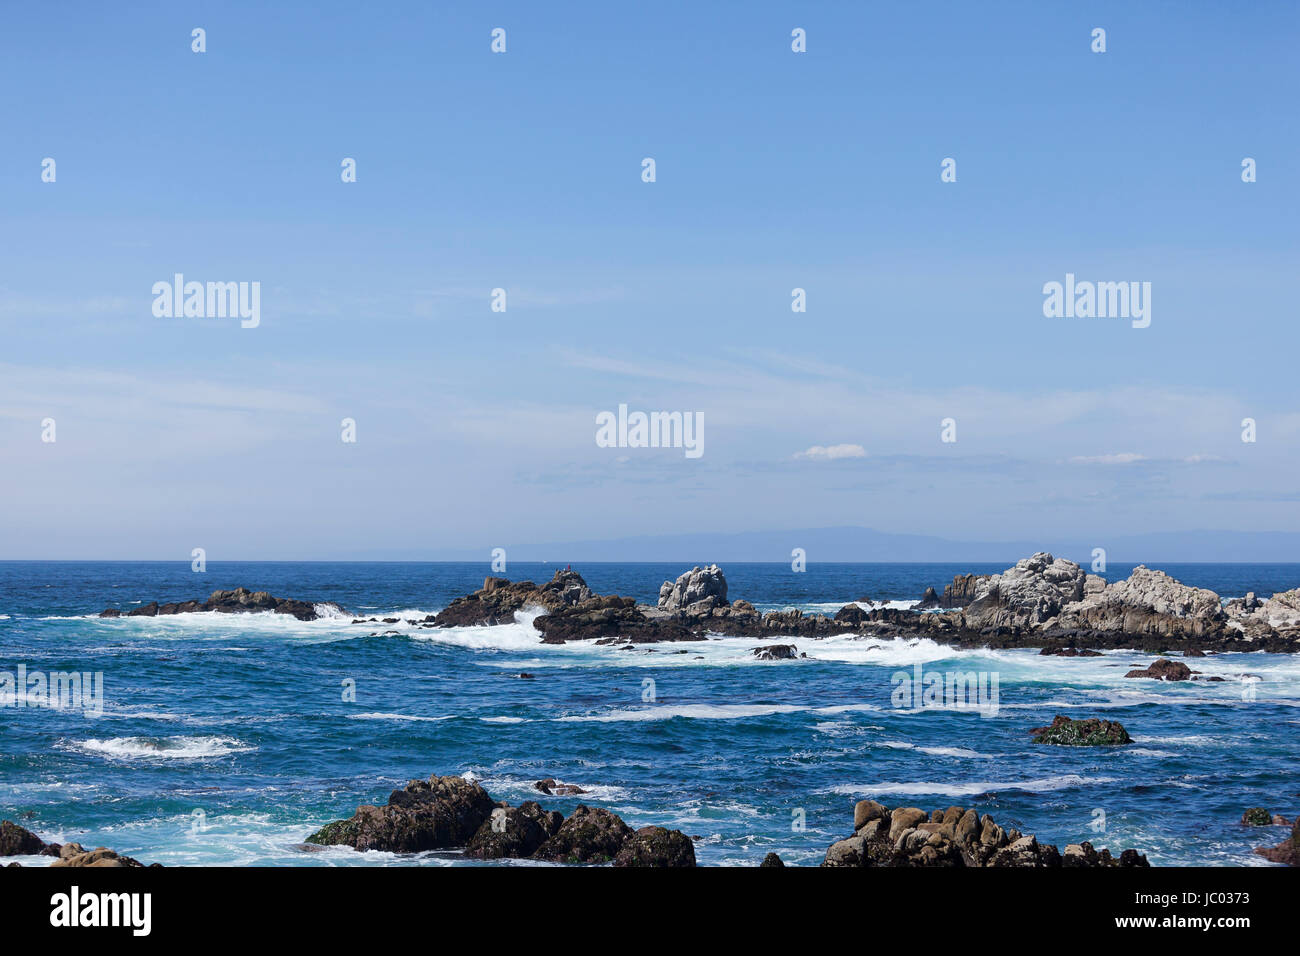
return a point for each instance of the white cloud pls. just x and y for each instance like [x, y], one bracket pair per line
[1123, 458]
[832, 452]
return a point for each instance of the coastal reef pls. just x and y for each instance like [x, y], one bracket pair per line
[240, 600]
[444, 813]
[1042, 601]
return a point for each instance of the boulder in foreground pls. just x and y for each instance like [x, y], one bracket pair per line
[451, 812]
[955, 837]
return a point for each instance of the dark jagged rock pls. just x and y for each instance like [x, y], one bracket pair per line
[853, 615]
[1288, 851]
[777, 652]
[962, 591]
[1257, 817]
[955, 837]
[1082, 733]
[498, 600]
[1042, 601]
[451, 812]
[514, 832]
[656, 846]
[1059, 651]
[611, 617]
[1164, 669]
[433, 814]
[772, 860]
[553, 788]
[18, 841]
[590, 835]
[240, 600]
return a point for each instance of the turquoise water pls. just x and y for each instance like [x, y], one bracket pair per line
[226, 739]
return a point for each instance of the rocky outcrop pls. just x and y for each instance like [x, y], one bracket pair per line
[18, 841]
[955, 837]
[697, 590]
[777, 652]
[772, 861]
[1256, 817]
[1164, 669]
[1043, 601]
[1149, 602]
[656, 846]
[1091, 732]
[553, 788]
[963, 589]
[514, 832]
[499, 599]
[72, 854]
[240, 600]
[590, 835]
[1286, 852]
[1027, 595]
[451, 812]
[1257, 619]
[434, 814]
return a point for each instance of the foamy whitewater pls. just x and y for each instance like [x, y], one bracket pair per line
[227, 739]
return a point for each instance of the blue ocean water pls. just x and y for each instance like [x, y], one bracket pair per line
[226, 739]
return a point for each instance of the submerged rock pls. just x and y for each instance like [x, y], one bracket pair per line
[1091, 732]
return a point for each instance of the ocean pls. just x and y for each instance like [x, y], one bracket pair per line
[227, 739]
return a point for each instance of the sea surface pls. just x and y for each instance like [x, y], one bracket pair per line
[227, 739]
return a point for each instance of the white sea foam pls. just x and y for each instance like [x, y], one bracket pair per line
[375, 715]
[925, 788]
[162, 748]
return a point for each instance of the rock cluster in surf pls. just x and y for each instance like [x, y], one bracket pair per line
[955, 837]
[1042, 601]
[240, 600]
[18, 841]
[451, 812]
[1090, 732]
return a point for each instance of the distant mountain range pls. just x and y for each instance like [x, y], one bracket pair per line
[849, 544]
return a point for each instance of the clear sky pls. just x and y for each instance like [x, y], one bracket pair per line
[523, 171]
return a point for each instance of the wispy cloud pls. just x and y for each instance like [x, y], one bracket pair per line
[831, 452]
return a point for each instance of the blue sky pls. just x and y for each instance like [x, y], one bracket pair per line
[775, 170]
